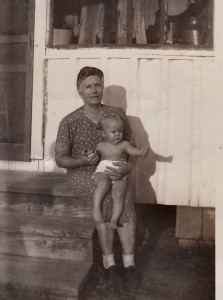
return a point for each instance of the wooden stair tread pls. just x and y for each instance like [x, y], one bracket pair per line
[57, 278]
[34, 183]
[45, 205]
[40, 225]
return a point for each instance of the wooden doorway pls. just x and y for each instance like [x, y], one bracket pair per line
[16, 69]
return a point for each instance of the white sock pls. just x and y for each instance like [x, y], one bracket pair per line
[108, 261]
[128, 260]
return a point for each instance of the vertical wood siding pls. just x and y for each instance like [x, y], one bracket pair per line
[170, 106]
[179, 130]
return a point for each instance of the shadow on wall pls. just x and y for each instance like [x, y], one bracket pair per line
[145, 167]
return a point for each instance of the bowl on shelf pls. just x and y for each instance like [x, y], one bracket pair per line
[62, 37]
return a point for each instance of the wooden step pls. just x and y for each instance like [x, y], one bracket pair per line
[33, 278]
[55, 226]
[45, 205]
[41, 193]
[42, 183]
[46, 236]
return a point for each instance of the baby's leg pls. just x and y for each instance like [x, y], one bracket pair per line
[102, 186]
[119, 189]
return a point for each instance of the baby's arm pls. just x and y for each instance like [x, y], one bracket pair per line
[131, 150]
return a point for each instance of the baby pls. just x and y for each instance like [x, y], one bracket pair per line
[113, 149]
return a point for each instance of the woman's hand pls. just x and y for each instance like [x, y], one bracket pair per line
[89, 157]
[120, 170]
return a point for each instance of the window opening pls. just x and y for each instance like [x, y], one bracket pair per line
[133, 23]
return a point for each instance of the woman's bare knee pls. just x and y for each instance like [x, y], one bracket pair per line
[97, 218]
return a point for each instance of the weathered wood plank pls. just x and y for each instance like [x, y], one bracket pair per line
[27, 166]
[188, 243]
[45, 205]
[209, 224]
[19, 39]
[207, 136]
[73, 249]
[150, 71]
[117, 92]
[13, 68]
[179, 132]
[41, 193]
[52, 279]
[59, 101]
[189, 222]
[39, 80]
[4, 165]
[31, 235]
[46, 226]
[34, 183]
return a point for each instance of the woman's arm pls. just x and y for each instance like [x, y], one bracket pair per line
[84, 159]
[63, 150]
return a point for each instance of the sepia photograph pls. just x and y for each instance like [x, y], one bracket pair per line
[111, 150]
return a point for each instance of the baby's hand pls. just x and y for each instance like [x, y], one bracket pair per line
[87, 152]
[90, 157]
[169, 159]
[90, 152]
[144, 151]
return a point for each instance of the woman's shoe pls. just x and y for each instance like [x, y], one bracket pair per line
[113, 278]
[131, 278]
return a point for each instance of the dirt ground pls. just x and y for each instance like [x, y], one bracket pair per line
[167, 272]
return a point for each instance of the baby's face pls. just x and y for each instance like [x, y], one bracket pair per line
[113, 131]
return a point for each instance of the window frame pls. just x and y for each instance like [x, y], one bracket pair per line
[158, 46]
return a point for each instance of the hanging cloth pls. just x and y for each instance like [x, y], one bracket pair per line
[99, 25]
[122, 21]
[91, 23]
[151, 8]
[83, 26]
[76, 26]
[139, 25]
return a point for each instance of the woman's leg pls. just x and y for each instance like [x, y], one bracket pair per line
[102, 186]
[127, 237]
[106, 238]
[118, 195]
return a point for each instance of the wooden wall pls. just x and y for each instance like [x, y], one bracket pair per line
[169, 96]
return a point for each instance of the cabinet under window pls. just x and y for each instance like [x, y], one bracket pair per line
[132, 23]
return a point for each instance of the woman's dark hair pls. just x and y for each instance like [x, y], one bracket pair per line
[86, 72]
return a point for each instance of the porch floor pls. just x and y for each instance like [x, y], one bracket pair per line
[167, 271]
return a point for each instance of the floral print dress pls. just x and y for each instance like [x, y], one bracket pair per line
[77, 132]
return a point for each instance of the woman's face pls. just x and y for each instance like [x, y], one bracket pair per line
[91, 90]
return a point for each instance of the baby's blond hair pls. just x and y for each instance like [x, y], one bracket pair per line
[111, 116]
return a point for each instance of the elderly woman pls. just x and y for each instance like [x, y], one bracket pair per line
[78, 135]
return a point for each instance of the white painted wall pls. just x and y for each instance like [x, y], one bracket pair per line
[169, 95]
[219, 149]
[170, 103]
